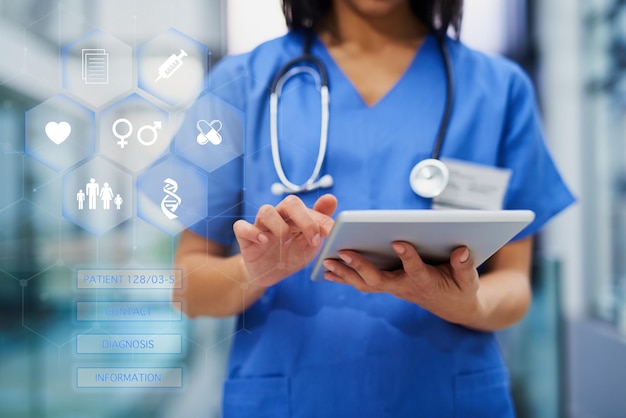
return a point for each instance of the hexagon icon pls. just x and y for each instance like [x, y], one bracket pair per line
[97, 68]
[172, 195]
[97, 196]
[172, 67]
[210, 133]
[60, 132]
[134, 132]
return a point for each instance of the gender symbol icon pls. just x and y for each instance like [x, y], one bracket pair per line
[122, 134]
[171, 201]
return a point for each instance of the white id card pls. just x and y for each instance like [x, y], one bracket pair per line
[473, 186]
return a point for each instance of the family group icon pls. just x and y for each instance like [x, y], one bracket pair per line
[93, 192]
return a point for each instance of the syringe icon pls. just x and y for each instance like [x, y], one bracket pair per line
[171, 65]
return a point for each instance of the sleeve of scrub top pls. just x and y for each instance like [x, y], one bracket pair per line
[535, 181]
[225, 94]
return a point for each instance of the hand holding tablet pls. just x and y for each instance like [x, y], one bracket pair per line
[434, 233]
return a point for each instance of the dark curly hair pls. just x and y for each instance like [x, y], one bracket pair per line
[437, 15]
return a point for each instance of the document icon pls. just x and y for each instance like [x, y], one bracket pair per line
[95, 66]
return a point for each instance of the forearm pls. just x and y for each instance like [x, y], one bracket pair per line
[215, 286]
[503, 297]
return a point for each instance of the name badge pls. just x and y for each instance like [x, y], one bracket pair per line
[473, 186]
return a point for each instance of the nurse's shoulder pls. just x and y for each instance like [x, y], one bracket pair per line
[488, 73]
[234, 76]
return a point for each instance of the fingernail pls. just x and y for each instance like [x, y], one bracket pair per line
[398, 248]
[465, 255]
[262, 238]
[346, 258]
[328, 266]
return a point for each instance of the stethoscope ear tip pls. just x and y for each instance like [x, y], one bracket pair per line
[325, 181]
[278, 189]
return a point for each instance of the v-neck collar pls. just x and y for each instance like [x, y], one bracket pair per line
[336, 72]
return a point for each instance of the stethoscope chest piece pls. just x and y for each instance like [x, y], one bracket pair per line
[429, 178]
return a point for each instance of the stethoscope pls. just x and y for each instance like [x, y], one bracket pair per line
[428, 178]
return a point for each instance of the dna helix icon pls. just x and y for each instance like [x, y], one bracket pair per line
[171, 201]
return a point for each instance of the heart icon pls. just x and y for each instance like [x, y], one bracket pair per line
[58, 132]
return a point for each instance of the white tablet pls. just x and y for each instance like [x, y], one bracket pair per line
[434, 233]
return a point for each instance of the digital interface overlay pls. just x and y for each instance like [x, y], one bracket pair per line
[105, 169]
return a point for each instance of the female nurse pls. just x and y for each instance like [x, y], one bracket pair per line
[414, 342]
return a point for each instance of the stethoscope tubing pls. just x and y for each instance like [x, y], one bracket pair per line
[313, 66]
[324, 100]
[447, 111]
[307, 63]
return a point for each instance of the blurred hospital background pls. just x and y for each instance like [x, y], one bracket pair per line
[567, 357]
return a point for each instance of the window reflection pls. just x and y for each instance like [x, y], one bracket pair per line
[605, 68]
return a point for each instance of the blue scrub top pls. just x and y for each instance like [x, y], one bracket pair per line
[327, 350]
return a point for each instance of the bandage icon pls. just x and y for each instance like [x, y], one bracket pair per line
[171, 65]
